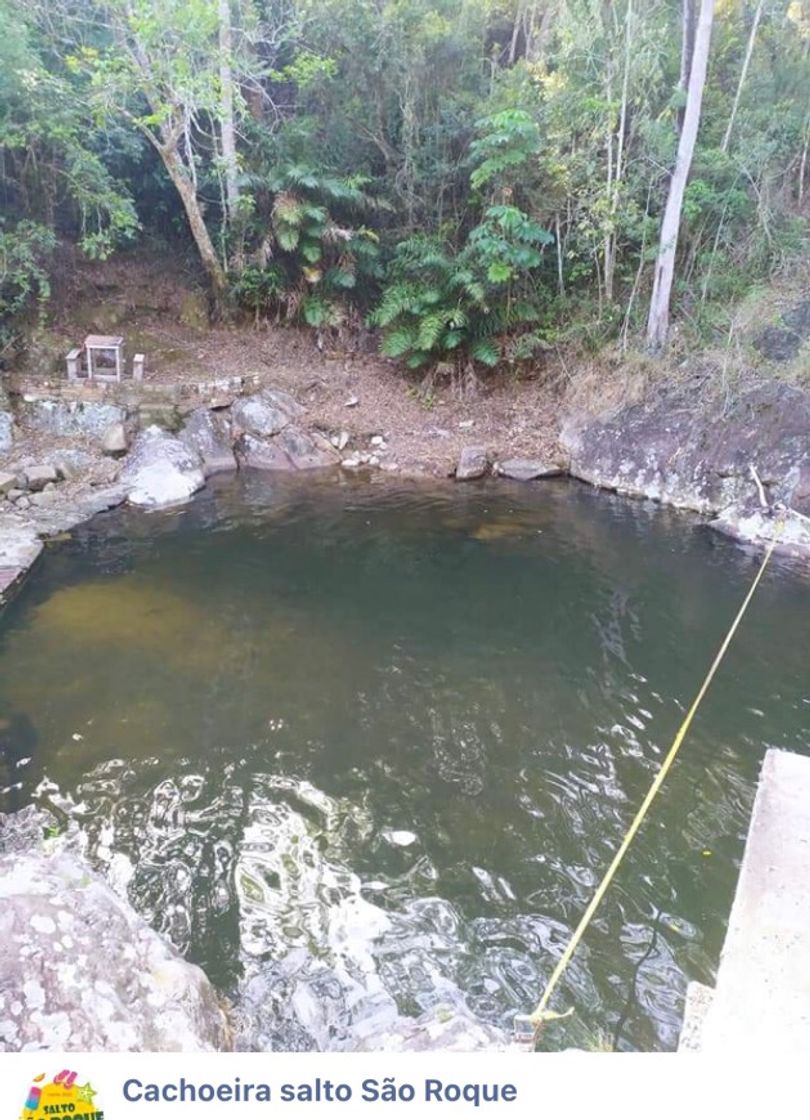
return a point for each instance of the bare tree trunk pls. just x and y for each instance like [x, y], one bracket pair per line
[227, 126]
[611, 242]
[803, 165]
[537, 37]
[687, 47]
[560, 276]
[202, 238]
[658, 321]
[749, 50]
[519, 16]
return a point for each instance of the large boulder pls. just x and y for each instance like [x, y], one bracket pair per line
[677, 448]
[208, 435]
[265, 414]
[261, 454]
[161, 470]
[291, 450]
[79, 970]
[307, 450]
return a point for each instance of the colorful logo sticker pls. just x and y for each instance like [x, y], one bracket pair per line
[63, 1097]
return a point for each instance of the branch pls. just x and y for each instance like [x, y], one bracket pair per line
[763, 501]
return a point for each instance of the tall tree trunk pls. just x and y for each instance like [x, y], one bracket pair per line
[199, 231]
[537, 37]
[749, 50]
[687, 46]
[516, 27]
[227, 126]
[226, 107]
[611, 242]
[658, 321]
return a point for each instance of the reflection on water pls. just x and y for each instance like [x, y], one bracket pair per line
[359, 749]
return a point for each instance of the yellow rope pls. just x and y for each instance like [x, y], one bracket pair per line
[541, 1013]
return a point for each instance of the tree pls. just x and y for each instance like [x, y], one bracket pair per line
[159, 69]
[227, 115]
[54, 185]
[749, 50]
[658, 320]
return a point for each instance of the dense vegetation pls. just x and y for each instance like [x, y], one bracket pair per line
[476, 178]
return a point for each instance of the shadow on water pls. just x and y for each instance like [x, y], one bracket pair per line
[358, 748]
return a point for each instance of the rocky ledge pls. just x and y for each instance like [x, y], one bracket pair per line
[744, 464]
[79, 970]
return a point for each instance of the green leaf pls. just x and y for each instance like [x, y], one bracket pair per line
[499, 272]
[398, 341]
[486, 351]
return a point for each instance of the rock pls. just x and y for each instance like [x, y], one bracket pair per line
[526, 470]
[782, 343]
[798, 319]
[8, 482]
[19, 544]
[114, 441]
[675, 448]
[208, 435]
[39, 476]
[778, 344]
[378, 441]
[72, 418]
[265, 414]
[73, 463]
[473, 462]
[343, 440]
[307, 451]
[160, 470]
[352, 402]
[6, 432]
[79, 970]
[42, 498]
[13, 495]
[261, 454]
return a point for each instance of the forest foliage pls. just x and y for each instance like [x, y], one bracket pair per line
[477, 179]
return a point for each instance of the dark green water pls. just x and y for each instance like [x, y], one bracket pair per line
[360, 746]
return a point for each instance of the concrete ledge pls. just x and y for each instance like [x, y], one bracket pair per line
[698, 1001]
[761, 1003]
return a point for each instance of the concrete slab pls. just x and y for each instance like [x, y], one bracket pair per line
[698, 1001]
[761, 1001]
